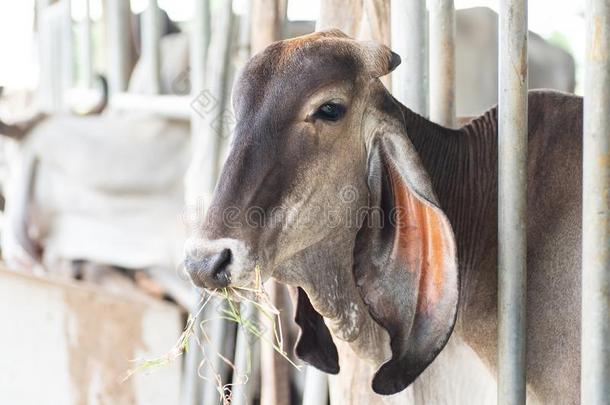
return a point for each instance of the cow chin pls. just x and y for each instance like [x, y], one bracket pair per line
[220, 263]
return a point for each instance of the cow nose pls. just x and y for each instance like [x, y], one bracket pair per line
[210, 271]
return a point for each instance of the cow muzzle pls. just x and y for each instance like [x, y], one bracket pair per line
[219, 263]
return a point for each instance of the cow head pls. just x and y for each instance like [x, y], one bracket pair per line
[323, 190]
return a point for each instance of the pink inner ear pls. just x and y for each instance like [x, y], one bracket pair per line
[420, 240]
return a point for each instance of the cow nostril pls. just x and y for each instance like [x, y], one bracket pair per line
[223, 261]
[211, 271]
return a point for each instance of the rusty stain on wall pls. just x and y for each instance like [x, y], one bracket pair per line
[96, 361]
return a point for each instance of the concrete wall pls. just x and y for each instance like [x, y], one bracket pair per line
[64, 344]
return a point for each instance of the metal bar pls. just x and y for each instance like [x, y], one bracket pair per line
[442, 62]
[275, 380]
[46, 90]
[151, 35]
[117, 23]
[67, 48]
[209, 72]
[410, 40]
[247, 357]
[200, 41]
[316, 387]
[87, 47]
[595, 347]
[243, 385]
[214, 370]
[190, 391]
[512, 201]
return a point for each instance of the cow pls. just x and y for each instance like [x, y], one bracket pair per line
[99, 194]
[384, 224]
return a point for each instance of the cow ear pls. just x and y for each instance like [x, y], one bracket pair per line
[314, 344]
[405, 262]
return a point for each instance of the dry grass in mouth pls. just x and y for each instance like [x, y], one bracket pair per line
[259, 299]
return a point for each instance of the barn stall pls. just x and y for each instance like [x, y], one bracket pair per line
[99, 205]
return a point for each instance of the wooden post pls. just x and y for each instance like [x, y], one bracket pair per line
[345, 15]
[360, 19]
[266, 23]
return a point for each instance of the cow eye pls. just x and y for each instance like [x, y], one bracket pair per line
[330, 112]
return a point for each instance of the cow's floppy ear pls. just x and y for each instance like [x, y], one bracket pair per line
[405, 262]
[314, 344]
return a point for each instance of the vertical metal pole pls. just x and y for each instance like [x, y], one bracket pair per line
[191, 383]
[512, 201]
[151, 35]
[409, 25]
[200, 41]
[214, 366]
[208, 82]
[67, 49]
[87, 48]
[595, 348]
[247, 357]
[243, 384]
[46, 89]
[117, 23]
[316, 387]
[442, 62]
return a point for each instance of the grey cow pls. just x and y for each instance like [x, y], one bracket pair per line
[385, 223]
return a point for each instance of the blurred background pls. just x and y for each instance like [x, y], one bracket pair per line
[114, 121]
